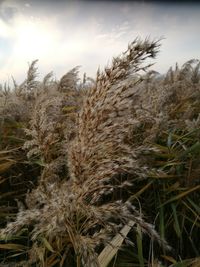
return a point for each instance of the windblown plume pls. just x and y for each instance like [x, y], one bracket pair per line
[99, 150]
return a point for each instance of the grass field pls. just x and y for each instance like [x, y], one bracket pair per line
[105, 171]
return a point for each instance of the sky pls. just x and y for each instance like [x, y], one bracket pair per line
[64, 34]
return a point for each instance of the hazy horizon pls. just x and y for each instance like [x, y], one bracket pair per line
[64, 34]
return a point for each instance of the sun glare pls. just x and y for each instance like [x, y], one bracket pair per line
[33, 39]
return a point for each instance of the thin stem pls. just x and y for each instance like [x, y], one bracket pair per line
[78, 261]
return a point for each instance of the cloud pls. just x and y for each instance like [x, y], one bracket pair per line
[58, 46]
[63, 34]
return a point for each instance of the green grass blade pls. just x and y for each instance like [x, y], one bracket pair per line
[181, 195]
[140, 247]
[176, 222]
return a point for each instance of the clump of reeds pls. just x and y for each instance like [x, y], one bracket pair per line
[73, 208]
[96, 151]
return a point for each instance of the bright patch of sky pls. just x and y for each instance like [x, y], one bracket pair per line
[64, 34]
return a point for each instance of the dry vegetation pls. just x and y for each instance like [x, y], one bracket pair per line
[82, 160]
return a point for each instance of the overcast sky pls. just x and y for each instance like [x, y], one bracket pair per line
[64, 34]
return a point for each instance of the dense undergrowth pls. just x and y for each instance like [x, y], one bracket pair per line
[81, 160]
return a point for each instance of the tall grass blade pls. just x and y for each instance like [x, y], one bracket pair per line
[111, 249]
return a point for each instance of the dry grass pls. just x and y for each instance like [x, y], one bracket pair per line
[95, 149]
